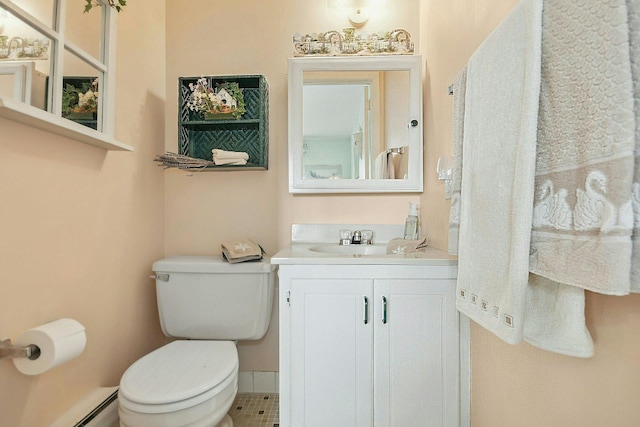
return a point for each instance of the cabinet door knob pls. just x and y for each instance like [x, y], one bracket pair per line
[384, 309]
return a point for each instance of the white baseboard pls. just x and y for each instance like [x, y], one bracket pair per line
[99, 408]
[258, 382]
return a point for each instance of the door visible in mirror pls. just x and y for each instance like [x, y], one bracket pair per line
[336, 129]
[355, 124]
[356, 120]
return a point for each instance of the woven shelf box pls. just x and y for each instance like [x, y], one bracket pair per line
[250, 133]
[251, 92]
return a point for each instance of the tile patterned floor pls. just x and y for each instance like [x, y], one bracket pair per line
[255, 410]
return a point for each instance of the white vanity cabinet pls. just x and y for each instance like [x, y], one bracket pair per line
[368, 345]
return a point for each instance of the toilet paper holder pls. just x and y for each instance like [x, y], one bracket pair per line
[10, 351]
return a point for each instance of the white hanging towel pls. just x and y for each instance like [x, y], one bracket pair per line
[459, 91]
[498, 173]
[380, 169]
[585, 221]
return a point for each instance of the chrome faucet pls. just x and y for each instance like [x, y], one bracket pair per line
[357, 237]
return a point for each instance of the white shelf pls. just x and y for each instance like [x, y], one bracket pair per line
[34, 117]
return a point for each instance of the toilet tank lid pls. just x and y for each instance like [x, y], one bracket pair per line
[210, 264]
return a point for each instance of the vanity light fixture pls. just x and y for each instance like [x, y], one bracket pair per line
[356, 11]
[358, 17]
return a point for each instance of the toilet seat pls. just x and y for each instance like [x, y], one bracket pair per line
[179, 376]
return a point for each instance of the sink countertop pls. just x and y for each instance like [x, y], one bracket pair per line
[301, 254]
[307, 236]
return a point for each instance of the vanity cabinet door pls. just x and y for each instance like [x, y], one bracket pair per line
[415, 353]
[372, 352]
[331, 357]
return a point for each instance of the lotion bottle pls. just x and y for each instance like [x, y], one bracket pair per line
[412, 224]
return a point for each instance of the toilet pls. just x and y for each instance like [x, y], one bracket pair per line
[207, 304]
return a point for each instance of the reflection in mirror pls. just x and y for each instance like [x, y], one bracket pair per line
[10, 84]
[24, 55]
[42, 10]
[340, 145]
[83, 29]
[355, 121]
[80, 92]
[67, 70]
[12, 79]
[355, 124]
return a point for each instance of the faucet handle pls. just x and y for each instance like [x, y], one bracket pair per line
[367, 237]
[345, 237]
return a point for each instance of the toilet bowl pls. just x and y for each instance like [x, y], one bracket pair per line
[184, 383]
[206, 304]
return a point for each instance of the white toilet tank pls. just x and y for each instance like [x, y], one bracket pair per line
[205, 297]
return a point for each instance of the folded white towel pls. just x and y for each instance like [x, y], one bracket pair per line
[232, 162]
[241, 250]
[222, 154]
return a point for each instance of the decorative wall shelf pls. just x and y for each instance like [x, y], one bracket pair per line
[197, 137]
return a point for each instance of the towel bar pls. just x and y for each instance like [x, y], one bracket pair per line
[398, 150]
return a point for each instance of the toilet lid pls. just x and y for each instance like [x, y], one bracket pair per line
[179, 371]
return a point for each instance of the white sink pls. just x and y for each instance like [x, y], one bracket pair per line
[317, 244]
[353, 250]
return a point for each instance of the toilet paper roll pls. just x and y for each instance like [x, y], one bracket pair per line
[59, 341]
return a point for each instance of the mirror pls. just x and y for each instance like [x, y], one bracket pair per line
[355, 124]
[68, 71]
[24, 55]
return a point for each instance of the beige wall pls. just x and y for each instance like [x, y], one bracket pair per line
[511, 385]
[80, 228]
[249, 37]
[521, 385]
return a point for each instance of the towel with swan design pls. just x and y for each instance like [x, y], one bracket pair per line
[585, 194]
[584, 229]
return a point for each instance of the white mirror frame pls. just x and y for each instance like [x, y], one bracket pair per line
[297, 67]
[53, 121]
